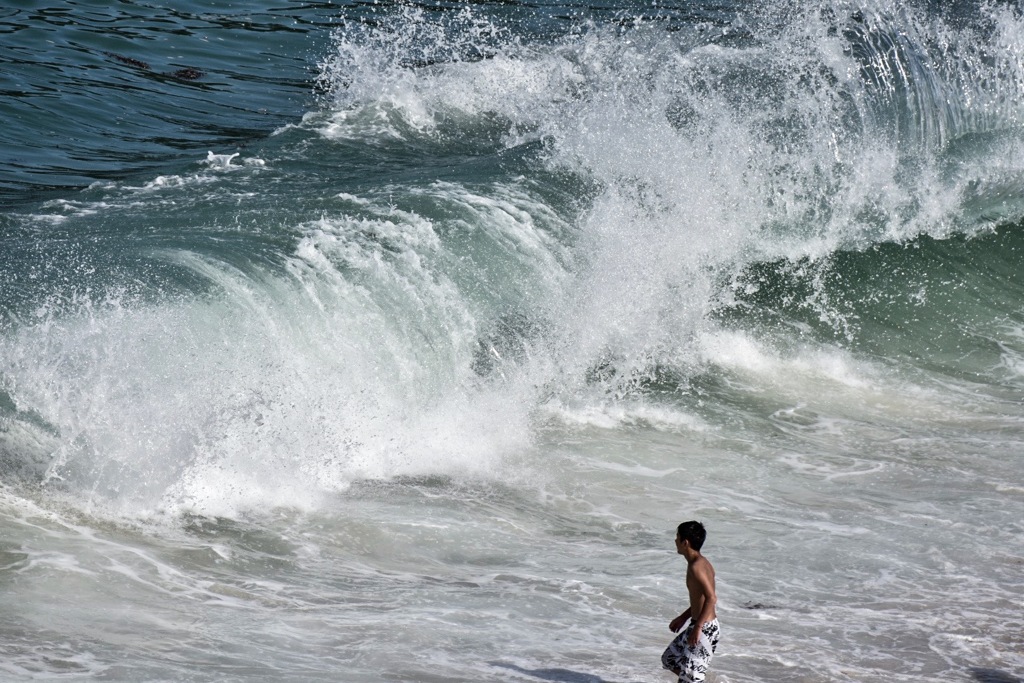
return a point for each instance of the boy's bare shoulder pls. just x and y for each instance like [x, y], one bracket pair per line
[702, 566]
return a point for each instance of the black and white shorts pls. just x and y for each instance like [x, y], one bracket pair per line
[692, 662]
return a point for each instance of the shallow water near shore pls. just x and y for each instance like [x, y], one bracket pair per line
[364, 342]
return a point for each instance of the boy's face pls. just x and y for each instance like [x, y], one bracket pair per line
[680, 544]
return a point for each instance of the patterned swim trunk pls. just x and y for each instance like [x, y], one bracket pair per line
[692, 662]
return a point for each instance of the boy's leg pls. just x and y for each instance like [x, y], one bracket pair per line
[675, 654]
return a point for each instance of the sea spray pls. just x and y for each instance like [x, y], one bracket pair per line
[607, 210]
[713, 149]
[595, 216]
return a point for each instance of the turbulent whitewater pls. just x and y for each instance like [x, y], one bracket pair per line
[346, 341]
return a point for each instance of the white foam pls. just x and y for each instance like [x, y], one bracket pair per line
[284, 390]
[220, 162]
[739, 351]
[622, 414]
[165, 182]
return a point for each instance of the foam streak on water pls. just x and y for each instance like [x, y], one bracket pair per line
[411, 377]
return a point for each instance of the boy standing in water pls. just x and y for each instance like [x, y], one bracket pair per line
[689, 655]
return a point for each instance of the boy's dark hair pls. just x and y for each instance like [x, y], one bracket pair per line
[694, 532]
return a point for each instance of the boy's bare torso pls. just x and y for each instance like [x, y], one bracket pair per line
[700, 574]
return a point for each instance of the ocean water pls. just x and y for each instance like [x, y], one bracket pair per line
[390, 341]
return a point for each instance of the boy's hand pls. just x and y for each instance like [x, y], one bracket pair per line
[677, 623]
[693, 637]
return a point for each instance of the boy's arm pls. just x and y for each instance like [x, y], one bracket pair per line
[678, 622]
[706, 585]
